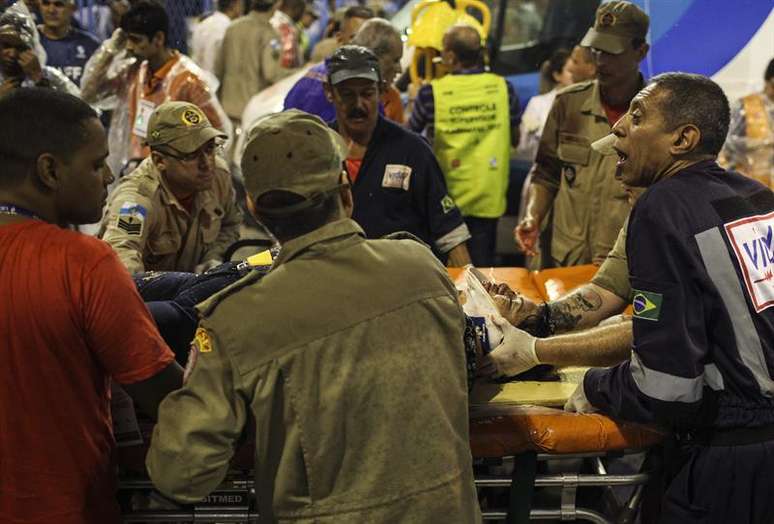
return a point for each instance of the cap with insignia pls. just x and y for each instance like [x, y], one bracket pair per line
[180, 125]
[615, 26]
[292, 151]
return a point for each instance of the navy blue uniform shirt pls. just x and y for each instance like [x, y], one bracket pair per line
[700, 247]
[70, 54]
[422, 206]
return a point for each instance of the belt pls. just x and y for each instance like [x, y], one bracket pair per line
[735, 436]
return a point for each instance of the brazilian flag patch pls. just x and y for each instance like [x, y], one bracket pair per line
[647, 305]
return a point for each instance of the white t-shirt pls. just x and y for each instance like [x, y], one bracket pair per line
[207, 40]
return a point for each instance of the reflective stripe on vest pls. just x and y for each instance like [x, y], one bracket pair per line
[472, 141]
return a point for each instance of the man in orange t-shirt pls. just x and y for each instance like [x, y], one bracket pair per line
[137, 67]
[71, 318]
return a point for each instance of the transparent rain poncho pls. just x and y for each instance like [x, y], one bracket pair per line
[114, 81]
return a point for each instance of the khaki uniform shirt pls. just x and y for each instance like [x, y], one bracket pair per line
[248, 61]
[589, 204]
[151, 231]
[349, 354]
[613, 274]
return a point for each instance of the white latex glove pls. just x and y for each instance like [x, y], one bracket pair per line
[578, 403]
[207, 265]
[514, 355]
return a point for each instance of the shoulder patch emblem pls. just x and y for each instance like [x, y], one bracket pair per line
[131, 218]
[647, 305]
[202, 340]
[447, 204]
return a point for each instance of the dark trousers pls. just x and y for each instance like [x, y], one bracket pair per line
[481, 246]
[724, 484]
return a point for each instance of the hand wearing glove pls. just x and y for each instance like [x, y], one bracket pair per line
[578, 403]
[514, 355]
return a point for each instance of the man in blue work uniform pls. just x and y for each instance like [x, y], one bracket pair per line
[68, 48]
[397, 183]
[700, 254]
[472, 118]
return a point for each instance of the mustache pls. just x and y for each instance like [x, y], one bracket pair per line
[357, 113]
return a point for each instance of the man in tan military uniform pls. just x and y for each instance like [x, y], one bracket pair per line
[577, 183]
[249, 59]
[351, 426]
[176, 211]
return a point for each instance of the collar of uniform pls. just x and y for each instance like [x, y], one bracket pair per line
[379, 128]
[470, 71]
[593, 104]
[263, 17]
[295, 247]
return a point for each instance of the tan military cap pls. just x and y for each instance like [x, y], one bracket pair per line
[292, 151]
[180, 125]
[616, 25]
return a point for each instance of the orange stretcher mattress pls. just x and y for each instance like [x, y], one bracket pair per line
[539, 286]
[499, 431]
[496, 430]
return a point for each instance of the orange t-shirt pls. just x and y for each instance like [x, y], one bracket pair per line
[393, 107]
[70, 319]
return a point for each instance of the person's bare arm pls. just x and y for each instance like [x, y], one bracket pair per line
[539, 201]
[584, 307]
[519, 351]
[458, 256]
[149, 393]
[597, 347]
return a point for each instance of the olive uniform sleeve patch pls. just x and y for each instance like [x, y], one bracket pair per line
[647, 305]
[131, 218]
[202, 341]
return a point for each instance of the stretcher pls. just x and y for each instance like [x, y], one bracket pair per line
[510, 423]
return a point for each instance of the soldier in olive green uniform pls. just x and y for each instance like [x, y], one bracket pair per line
[589, 205]
[176, 211]
[352, 424]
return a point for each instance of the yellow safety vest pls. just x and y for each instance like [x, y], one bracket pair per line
[472, 141]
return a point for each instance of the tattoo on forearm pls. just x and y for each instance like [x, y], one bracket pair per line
[567, 313]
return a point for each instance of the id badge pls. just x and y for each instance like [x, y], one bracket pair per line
[144, 111]
[397, 176]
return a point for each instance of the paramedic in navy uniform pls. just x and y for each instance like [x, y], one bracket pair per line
[700, 256]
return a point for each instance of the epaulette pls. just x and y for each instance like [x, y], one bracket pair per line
[403, 235]
[576, 88]
[206, 308]
[143, 179]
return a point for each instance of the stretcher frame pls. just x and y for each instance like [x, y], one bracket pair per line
[522, 483]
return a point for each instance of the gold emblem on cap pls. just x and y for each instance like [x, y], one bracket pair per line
[155, 134]
[192, 117]
[606, 20]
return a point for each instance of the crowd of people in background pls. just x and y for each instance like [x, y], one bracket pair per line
[179, 168]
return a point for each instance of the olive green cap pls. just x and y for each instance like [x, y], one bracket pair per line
[180, 125]
[615, 26]
[292, 151]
